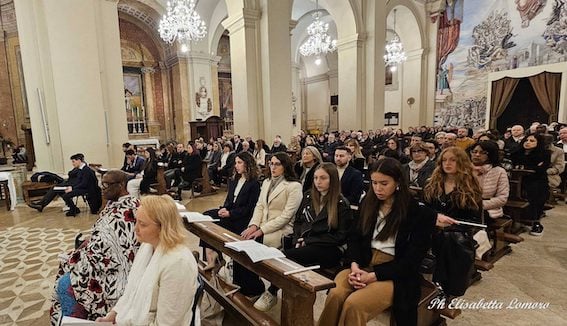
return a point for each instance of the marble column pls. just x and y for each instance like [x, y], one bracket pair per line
[276, 66]
[73, 78]
[375, 69]
[351, 83]
[244, 29]
[180, 97]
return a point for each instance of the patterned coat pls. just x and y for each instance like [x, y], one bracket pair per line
[99, 267]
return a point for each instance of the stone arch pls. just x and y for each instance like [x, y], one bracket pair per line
[409, 5]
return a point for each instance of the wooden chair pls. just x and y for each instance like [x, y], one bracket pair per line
[5, 193]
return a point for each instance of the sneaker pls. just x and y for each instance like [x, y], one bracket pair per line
[266, 302]
[537, 229]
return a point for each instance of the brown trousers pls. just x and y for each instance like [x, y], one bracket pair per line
[348, 306]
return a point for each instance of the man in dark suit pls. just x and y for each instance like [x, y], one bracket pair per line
[82, 181]
[134, 164]
[352, 183]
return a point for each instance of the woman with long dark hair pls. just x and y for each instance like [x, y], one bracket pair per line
[280, 197]
[385, 250]
[533, 155]
[242, 195]
[321, 222]
[191, 169]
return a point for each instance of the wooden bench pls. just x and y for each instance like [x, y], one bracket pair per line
[499, 232]
[298, 290]
[204, 181]
[34, 190]
[240, 308]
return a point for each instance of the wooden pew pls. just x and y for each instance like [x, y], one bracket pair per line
[204, 180]
[517, 207]
[298, 290]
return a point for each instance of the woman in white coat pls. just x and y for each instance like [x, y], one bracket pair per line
[280, 197]
[163, 279]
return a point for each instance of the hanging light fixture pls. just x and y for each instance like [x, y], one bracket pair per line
[182, 23]
[395, 54]
[319, 42]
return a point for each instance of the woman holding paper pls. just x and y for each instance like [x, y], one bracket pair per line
[384, 250]
[453, 191]
[280, 197]
[242, 195]
[163, 279]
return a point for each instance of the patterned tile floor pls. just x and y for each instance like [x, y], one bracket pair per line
[29, 244]
[28, 263]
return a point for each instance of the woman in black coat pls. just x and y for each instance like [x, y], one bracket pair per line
[321, 225]
[150, 171]
[191, 169]
[419, 169]
[322, 221]
[533, 155]
[385, 250]
[235, 214]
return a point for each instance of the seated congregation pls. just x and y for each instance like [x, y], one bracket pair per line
[370, 208]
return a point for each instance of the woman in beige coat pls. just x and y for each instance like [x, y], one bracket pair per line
[279, 199]
[273, 216]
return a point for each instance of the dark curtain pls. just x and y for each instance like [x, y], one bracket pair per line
[547, 87]
[502, 91]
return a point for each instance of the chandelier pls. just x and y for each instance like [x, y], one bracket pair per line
[182, 23]
[394, 50]
[319, 42]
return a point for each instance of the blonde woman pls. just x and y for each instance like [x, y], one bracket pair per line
[358, 159]
[163, 279]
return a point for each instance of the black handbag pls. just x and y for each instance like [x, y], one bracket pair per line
[455, 255]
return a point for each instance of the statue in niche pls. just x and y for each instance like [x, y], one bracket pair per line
[204, 104]
[528, 9]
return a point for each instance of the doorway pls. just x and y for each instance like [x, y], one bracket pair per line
[523, 109]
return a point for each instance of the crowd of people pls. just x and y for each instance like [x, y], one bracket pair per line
[374, 203]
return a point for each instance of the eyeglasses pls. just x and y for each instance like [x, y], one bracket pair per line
[418, 151]
[479, 152]
[106, 185]
[275, 164]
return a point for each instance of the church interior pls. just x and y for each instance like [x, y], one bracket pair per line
[89, 76]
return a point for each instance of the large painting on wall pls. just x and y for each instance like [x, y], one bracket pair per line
[133, 96]
[477, 37]
[225, 94]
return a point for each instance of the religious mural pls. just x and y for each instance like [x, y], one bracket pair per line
[477, 37]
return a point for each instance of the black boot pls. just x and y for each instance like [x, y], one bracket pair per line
[38, 206]
[73, 212]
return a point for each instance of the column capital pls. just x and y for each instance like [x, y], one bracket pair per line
[355, 40]
[148, 70]
[247, 18]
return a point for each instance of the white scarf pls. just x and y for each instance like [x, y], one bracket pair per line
[415, 168]
[134, 305]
